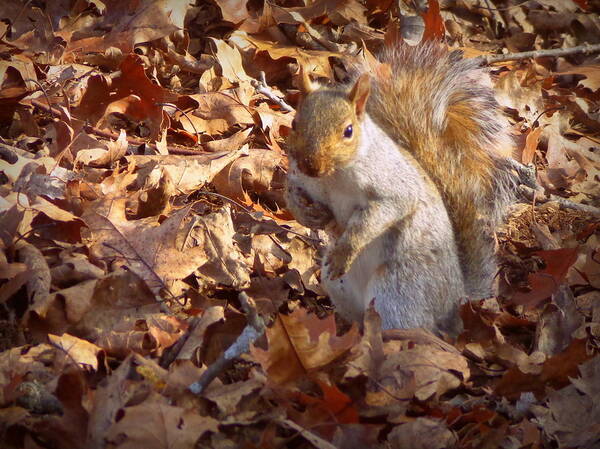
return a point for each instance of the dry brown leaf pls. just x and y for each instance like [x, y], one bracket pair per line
[92, 307]
[155, 425]
[129, 24]
[229, 144]
[368, 355]
[300, 343]
[268, 293]
[149, 250]
[571, 416]
[148, 105]
[555, 373]
[230, 398]
[230, 61]
[591, 73]
[269, 253]
[315, 61]
[303, 259]
[339, 11]
[254, 171]
[10, 270]
[14, 169]
[38, 284]
[234, 11]
[545, 282]
[225, 263]
[151, 334]
[187, 173]
[16, 362]
[82, 352]
[422, 433]
[434, 371]
[215, 112]
[195, 339]
[110, 397]
[104, 158]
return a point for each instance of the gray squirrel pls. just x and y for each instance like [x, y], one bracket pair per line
[409, 170]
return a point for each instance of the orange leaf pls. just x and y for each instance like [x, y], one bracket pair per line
[545, 282]
[338, 403]
[300, 342]
[555, 373]
[531, 143]
[434, 24]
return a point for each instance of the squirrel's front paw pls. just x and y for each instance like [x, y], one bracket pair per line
[338, 261]
[313, 214]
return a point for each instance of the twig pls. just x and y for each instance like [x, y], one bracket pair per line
[507, 8]
[331, 46]
[31, 80]
[197, 66]
[171, 353]
[586, 49]
[171, 105]
[309, 436]
[111, 135]
[253, 330]
[262, 88]
[563, 202]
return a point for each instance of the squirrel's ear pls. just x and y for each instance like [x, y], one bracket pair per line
[360, 94]
[306, 84]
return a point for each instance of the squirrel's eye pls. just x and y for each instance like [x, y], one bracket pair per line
[348, 132]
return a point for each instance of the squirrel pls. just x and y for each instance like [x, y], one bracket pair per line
[409, 170]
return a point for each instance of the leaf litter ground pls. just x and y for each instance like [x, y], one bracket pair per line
[142, 176]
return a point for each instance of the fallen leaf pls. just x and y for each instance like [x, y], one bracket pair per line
[128, 24]
[300, 343]
[545, 282]
[555, 373]
[82, 352]
[155, 425]
[149, 250]
[571, 415]
[422, 433]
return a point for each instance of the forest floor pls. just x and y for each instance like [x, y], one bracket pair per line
[144, 232]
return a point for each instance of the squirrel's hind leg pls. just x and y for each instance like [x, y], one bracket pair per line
[413, 301]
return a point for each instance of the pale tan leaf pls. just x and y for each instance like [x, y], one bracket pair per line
[80, 351]
[156, 425]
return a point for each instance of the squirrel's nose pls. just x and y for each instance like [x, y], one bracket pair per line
[309, 167]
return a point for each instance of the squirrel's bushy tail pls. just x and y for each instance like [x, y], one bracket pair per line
[441, 108]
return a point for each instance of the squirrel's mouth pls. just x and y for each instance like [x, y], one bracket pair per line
[310, 168]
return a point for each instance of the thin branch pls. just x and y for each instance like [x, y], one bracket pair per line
[171, 353]
[506, 8]
[31, 80]
[171, 105]
[111, 135]
[253, 330]
[585, 49]
[309, 436]
[262, 88]
[563, 202]
[196, 66]
[331, 46]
